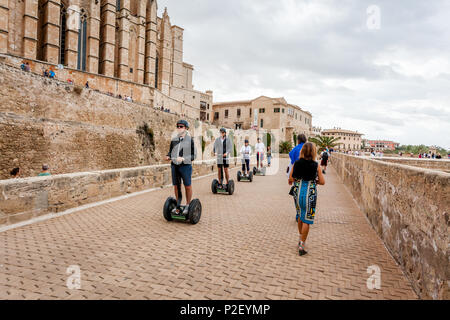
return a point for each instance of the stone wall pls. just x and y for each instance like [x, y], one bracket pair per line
[409, 209]
[435, 164]
[24, 199]
[74, 129]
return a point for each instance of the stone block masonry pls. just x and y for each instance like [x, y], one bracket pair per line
[24, 199]
[409, 209]
[79, 130]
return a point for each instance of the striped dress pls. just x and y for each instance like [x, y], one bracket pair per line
[305, 191]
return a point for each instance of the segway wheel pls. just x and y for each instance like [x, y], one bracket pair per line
[195, 211]
[254, 170]
[169, 206]
[239, 174]
[214, 186]
[250, 177]
[230, 187]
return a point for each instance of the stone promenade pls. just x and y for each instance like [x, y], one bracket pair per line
[245, 247]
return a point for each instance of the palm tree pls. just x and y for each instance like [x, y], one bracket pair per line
[285, 147]
[323, 142]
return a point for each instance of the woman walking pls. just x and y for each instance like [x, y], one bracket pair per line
[305, 176]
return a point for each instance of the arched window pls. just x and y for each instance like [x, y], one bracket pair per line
[62, 34]
[118, 5]
[82, 41]
[41, 31]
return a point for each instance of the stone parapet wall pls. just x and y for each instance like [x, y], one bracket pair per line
[409, 209]
[24, 199]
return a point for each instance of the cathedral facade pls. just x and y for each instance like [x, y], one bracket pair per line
[122, 39]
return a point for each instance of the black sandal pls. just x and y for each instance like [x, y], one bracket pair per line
[301, 249]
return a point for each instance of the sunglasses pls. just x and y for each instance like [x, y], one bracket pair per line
[180, 127]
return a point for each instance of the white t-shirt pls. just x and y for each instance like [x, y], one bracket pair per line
[246, 152]
[260, 147]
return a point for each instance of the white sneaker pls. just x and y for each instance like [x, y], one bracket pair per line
[186, 210]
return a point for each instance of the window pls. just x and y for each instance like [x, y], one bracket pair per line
[82, 42]
[156, 70]
[295, 116]
[262, 110]
[238, 113]
[118, 5]
[207, 117]
[282, 110]
[276, 110]
[262, 123]
[62, 36]
[226, 114]
[216, 116]
[250, 112]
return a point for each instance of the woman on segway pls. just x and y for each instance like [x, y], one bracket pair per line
[182, 153]
[246, 152]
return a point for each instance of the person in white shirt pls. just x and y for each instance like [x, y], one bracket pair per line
[246, 152]
[259, 149]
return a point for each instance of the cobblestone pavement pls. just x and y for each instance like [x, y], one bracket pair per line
[245, 247]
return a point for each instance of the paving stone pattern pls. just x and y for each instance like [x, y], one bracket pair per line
[245, 247]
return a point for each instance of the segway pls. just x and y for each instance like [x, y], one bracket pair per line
[173, 210]
[243, 177]
[220, 187]
[260, 172]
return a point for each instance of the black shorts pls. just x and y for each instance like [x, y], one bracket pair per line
[225, 165]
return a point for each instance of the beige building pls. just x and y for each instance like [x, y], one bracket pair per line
[122, 39]
[348, 140]
[263, 113]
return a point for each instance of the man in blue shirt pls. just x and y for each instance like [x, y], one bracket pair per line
[294, 155]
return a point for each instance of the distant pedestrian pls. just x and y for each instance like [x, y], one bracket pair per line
[87, 85]
[45, 171]
[15, 173]
[305, 175]
[51, 74]
[294, 155]
[46, 73]
[438, 156]
[27, 67]
[324, 160]
[269, 156]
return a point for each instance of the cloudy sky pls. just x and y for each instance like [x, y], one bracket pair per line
[388, 78]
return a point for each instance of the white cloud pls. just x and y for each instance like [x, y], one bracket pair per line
[391, 83]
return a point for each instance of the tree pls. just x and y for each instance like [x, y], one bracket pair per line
[323, 142]
[285, 147]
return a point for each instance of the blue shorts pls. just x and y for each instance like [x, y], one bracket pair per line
[183, 172]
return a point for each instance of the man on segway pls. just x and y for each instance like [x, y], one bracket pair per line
[182, 153]
[222, 149]
[259, 149]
